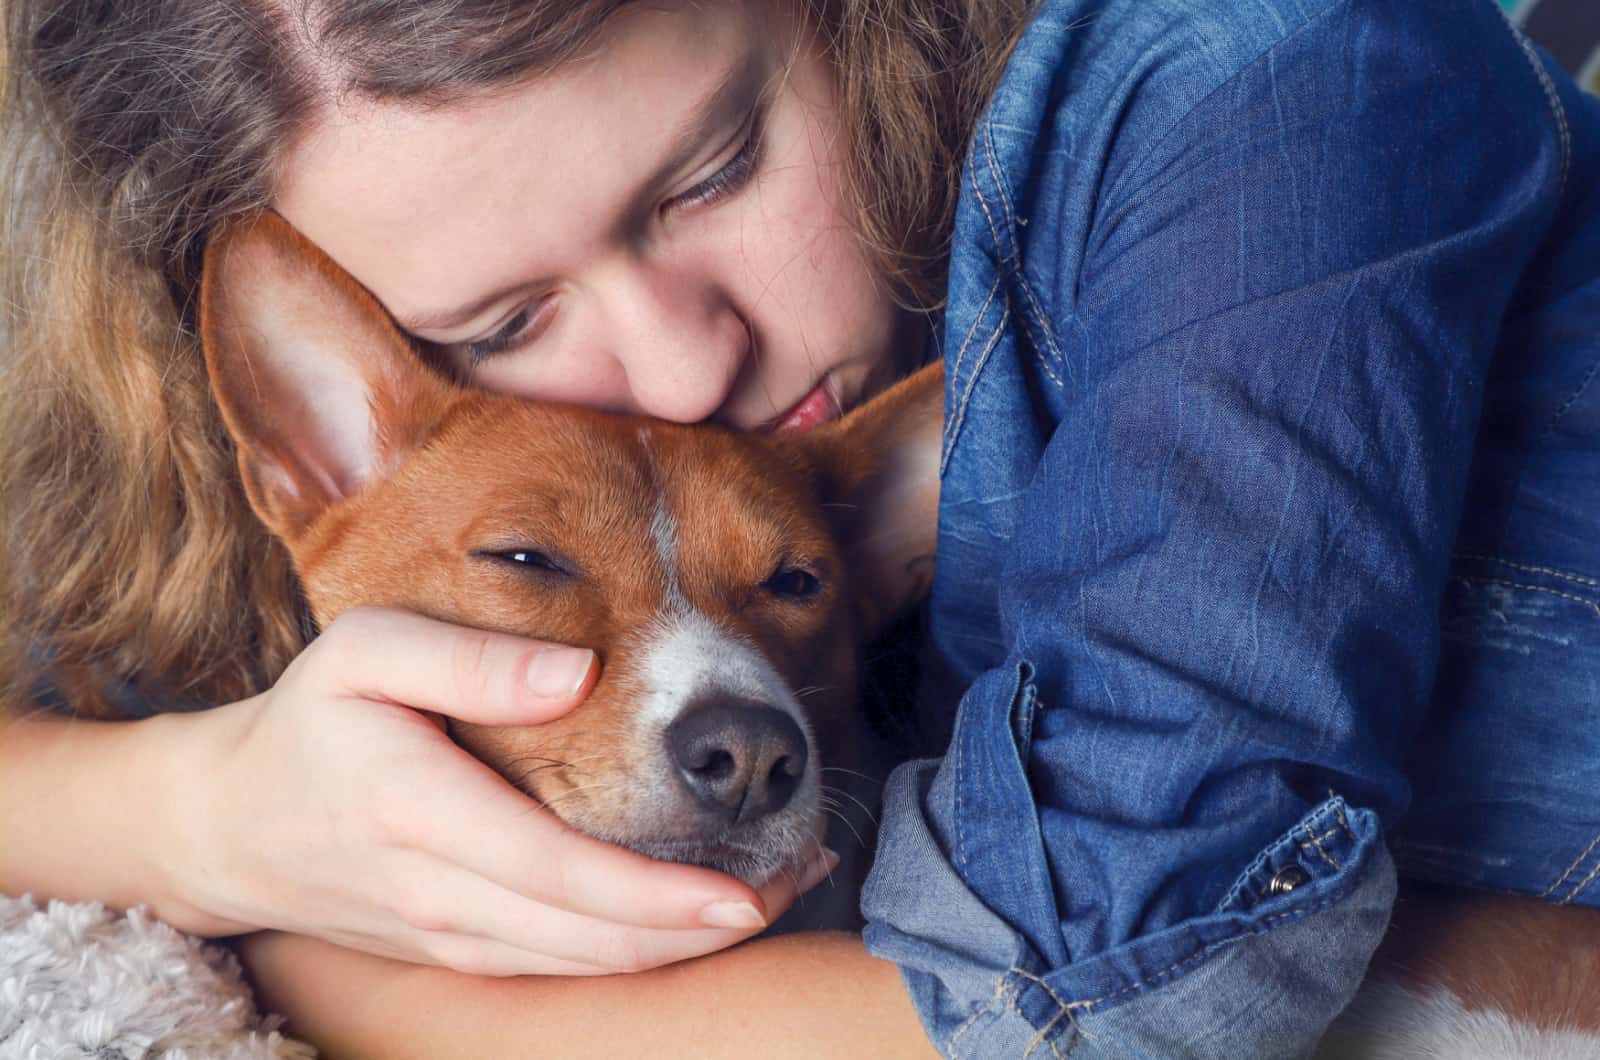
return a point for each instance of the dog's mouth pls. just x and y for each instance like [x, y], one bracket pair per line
[777, 846]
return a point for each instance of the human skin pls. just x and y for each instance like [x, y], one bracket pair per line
[643, 289]
[799, 996]
[625, 265]
[324, 807]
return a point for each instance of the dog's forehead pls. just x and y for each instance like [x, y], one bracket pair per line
[730, 492]
[599, 481]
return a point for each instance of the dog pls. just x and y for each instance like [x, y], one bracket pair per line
[725, 579]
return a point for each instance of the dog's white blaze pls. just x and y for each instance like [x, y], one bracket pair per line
[664, 532]
[687, 655]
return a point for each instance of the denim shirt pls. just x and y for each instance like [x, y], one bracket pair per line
[1272, 336]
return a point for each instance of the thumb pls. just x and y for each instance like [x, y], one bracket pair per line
[471, 675]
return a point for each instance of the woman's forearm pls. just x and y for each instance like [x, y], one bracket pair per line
[94, 809]
[797, 996]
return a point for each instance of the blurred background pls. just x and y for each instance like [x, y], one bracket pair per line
[1567, 29]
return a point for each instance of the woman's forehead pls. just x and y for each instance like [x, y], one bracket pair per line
[433, 207]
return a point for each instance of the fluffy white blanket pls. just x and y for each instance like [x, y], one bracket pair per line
[77, 980]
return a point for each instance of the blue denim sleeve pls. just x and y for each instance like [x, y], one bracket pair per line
[1224, 294]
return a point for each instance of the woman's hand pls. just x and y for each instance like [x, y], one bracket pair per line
[337, 810]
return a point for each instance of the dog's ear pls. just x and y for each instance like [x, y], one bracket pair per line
[880, 485]
[319, 389]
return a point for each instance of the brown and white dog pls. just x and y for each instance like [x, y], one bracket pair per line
[725, 579]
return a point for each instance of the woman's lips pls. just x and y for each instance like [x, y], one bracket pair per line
[815, 408]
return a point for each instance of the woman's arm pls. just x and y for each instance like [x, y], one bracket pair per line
[799, 995]
[86, 808]
[325, 808]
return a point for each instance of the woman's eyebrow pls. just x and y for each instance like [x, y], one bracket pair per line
[727, 97]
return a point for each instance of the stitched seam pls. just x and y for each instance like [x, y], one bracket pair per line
[1588, 378]
[1560, 112]
[1325, 836]
[1251, 885]
[960, 412]
[1318, 840]
[1205, 952]
[1041, 984]
[1214, 947]
[1056, 379]
[1338, 810]
[961, 806]
[1038, 315]
[1579, 860]
[1063, 1008]
[1322, 851]
[977, 319]
[1535, 588]
[1530, 569]
[1015, 255]
[983, 204]
[1040, 1038]
[999, 995]
[1583, 884]
[1043, 1036]
[1039, 328]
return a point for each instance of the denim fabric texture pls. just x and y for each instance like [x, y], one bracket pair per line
[1269, 543]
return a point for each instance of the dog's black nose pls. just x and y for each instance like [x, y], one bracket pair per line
[740, 760]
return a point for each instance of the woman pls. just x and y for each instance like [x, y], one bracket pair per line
[1220, 292]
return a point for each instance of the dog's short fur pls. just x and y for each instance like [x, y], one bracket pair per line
[710, 570]
[724, 578]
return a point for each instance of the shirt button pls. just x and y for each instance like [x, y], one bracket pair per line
[1287, 879]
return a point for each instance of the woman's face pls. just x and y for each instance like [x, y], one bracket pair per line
[657, 227]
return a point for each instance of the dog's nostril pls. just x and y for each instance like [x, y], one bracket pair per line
[713, 766]
[740, 760]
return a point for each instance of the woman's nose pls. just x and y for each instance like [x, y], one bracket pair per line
[679, 340]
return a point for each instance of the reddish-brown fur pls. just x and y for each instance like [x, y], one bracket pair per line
[1535, 961]
[406, 515]
[460, 472]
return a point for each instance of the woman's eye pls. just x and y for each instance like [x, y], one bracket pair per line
[731, 177]
[512, 334]
[528, 321]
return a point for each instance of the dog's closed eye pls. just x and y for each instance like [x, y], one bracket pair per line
[531, 560]
[793, 583]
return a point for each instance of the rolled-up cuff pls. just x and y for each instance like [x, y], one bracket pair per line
[1262, 975]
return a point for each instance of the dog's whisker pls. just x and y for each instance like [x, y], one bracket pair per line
[848, 824]
[864, 807]
[853, 773]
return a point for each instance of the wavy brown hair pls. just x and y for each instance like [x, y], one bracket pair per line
[129, 129]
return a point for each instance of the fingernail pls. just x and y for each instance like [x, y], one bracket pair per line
[732, 915]
[558, 673]
[819, 869]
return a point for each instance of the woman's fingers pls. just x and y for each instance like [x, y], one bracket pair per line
[475, 820]
[473, 675]
[528, 938]
[475, 874]
[472, 954]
